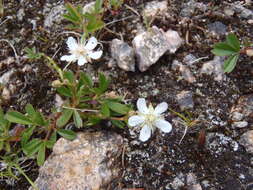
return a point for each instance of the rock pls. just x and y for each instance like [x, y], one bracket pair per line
[123, 54]
[54, 16]
[236, 116]
[5, 78]
[246, 140]
[218, 143]
[88, 162]
[20, 14]
[244, 106]
[155, 8]
[194, 187]
[243, 12]
[189, 8]
[214, 67]
[185, 100]
[149, 47]
[191, 179]
[217, 28]
[240, 124]
[178, 181]
[89, 7]
[6, 95]
[229, 11]
[189, 59]
[174, 40]
[187, 74]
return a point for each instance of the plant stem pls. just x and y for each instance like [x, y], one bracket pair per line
[27, 178]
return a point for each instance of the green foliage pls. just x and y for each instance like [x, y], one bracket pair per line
[116, 4]
[88, 22]
[32, 54]
[86, 103]
[231, 48]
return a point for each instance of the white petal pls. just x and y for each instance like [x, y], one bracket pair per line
[160, 108]
[72, 44]
[135, 120]
[68, 58]
[145, 133]
[142, 106]
[165, 126]
[81, 61]
[95, 54]
[91, 44]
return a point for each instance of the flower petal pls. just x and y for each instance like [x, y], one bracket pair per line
[91, 44]
[165, 126]
[160, 108]
[142, 106]
[95, 54]
[68, 58]
[72, 44]
[81, 61]
[145, 133]
[135, 120]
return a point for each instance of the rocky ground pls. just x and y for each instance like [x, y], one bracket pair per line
[215, 153]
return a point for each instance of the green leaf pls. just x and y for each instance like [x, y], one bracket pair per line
[77, 119]
[86, 79]
[35, 116]
[98, 6]
[64, 91]
[233, 41]
[118, 107]
[103, 83]
[67, 134]
[119, 124]
[32, 147]
[94, 24]
[64, 118]
[223, 49]
[50, 143]
[69, 75]
[26, 135]
[105, 111]
[73, 12]
[3, 122]
[230, 63]
[41, 154]
[16, 117]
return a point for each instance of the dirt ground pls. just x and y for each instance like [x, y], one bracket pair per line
[219, 162]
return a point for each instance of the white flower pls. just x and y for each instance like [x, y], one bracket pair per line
[149, 119]
[82, 52]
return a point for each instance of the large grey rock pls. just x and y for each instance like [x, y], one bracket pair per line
[189, 8]
[243, 12]
[150, 45]
[244, 106]
[123, 54]
[246, 140]
[154, 8]
[215, 68]
[87, 163]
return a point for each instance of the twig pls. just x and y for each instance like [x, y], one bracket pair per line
[4, 21]
[109, 23]
[199, 59]
[13, 48]
[82, 110]
[132, 9]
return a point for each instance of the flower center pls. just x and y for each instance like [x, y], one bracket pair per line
[80, 51]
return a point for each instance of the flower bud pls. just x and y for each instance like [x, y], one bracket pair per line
[56, 83]
[249, 52]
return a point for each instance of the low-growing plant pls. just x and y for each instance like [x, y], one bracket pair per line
[233, 49]
[88, 22]
[115, 4]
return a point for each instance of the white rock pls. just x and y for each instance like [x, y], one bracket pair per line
[4, 79]
[89, 7]
[246, 140]
[174, 40]
[240, 124]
